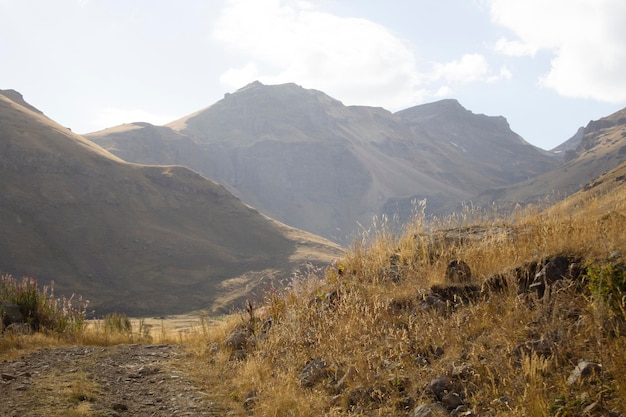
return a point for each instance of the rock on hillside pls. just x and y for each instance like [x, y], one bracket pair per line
[132, 238]
[305, 159]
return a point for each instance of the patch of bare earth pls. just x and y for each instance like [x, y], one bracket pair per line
[124, 380]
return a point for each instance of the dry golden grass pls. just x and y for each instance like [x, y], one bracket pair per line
[372, 330]
[178, 329]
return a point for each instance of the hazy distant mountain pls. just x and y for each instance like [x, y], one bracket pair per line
[133, 238]
[305, 159]
[601, 146]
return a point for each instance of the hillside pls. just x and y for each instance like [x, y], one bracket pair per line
[601, 146]
[307, 160]
[472, 315]
[131, 238]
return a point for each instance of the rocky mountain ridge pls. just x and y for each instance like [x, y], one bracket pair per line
[307, 160]
[601, 146]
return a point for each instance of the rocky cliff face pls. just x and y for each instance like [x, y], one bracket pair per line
[304, 158]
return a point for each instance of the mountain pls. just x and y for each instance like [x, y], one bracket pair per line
[601, 147]
[132, 238]
[307, 160]
[568, 148]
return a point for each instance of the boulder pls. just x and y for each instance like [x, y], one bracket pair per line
[250, 402]
[456, 294]
[430, 410]
[585, 370]
[440, 386]
[556, 269]
[541, 348]
[19, 329]
[433, 303]
[10, 313]
[237, 340]
[314, 372]
[458, 271]
[452, 401]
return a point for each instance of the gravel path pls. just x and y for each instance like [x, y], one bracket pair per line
[124, 380]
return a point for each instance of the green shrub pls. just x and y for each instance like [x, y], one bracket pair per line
[607, 284]
[40, 308]
[117, 323]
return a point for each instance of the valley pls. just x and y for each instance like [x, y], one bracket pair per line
[512, 306]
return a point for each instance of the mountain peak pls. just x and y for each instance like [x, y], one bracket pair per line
[290, 89]
[444, 108]
[257, 110]
[253, 84]
[446, 104]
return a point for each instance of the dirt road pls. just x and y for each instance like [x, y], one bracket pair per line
[124, 380]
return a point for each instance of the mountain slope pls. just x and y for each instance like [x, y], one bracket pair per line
[486, 145]
[133, 238]
[601, 147]
[305, 159]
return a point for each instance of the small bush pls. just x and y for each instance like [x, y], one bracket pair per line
[117, 323]
[607, 284]
[40, 308]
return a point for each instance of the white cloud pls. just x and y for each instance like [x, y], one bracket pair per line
[291, 41]
[352, 59]
[238, 77]
[470, 68]
[514, 48]
[586, 37]
[504, 74]
[444, 91]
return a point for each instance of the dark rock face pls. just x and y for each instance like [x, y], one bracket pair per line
[554, 270]
[537, 277]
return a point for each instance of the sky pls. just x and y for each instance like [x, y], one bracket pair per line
[548, 66]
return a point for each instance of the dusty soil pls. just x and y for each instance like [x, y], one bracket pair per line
[123, 380]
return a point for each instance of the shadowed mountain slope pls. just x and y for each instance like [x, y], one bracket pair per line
[305, 159]
[132, 238]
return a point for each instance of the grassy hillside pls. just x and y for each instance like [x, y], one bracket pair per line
[388, 329]
[133, 238]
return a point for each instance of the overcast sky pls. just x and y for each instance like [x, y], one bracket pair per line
[548, 66]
